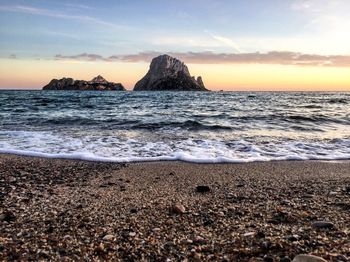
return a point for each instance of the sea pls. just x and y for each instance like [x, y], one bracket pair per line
[201, 127]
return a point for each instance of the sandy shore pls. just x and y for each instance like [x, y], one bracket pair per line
[65, 209]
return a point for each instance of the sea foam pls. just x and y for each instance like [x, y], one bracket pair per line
[114, 149]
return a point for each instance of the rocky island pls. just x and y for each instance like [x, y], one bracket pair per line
[97, 83]
[167, 73]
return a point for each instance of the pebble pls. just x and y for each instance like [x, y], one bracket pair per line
[197, 256]
[199, 240]
[308, 196]
[178, 209]
[268, 258]
[100, 249]
[249, 234]
[202, 189]
[347, 189]
[132, 234]
[292, 238]
[133, 210]
[108, 237]
[285, 259]
[186, 241]
[322, 224]
[308, 258]
[7, 216]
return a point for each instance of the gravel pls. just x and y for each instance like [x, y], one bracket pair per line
[52, 209]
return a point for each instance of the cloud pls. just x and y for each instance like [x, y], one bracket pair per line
[83, 57]
[49, 13]
[273, 57]
[78, 6]
[227, 41]
[12, 56]
[301, 5]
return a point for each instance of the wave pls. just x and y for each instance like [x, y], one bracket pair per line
[313, 106]
[114, 148]
[132, 124]
[189, 125]
[337, 101]
[185, 157]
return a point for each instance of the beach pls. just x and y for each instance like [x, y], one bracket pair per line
[62, 210]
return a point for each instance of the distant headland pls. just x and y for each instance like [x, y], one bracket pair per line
[166, 73]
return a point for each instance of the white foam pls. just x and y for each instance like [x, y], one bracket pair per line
[114, 147]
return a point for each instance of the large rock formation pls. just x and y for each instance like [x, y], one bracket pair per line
[169, 73]
[97, 83]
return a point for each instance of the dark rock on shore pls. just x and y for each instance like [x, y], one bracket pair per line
[97, 83]
[323, 224]
[202, 189]
[167, 73]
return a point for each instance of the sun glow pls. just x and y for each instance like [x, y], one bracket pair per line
[243, 77]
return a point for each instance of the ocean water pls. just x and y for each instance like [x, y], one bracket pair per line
[202, 127]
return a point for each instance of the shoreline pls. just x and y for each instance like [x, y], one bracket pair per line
[258, 211]
[157, 160]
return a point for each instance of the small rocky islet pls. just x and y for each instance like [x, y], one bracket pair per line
[63, 210]
[96, 84]
[166, 73]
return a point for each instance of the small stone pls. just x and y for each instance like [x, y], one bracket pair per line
[178, 209]
[132, 234]
[44, 254]
[186, 242]
[249, 234]
[7, 216]
[108, 237]
[12, 179]
[202, 189]
[208, 221]
[168, 245]
[323, 224]
[133, 210]
[308, 196]
[260, 234]
[199, 240]
[292, 238]
[347, 189]
[285, 259]
[230, 196]
[308, 258]
[197, 256]
[268, 258]
[169, 222]
[100, 249]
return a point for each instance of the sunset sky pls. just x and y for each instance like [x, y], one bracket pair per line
[234, 45]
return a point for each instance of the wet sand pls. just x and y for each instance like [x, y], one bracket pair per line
[54, 209]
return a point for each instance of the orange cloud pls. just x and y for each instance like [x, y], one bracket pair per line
[273, 57]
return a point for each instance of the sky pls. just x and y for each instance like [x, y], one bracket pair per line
[258, 45]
